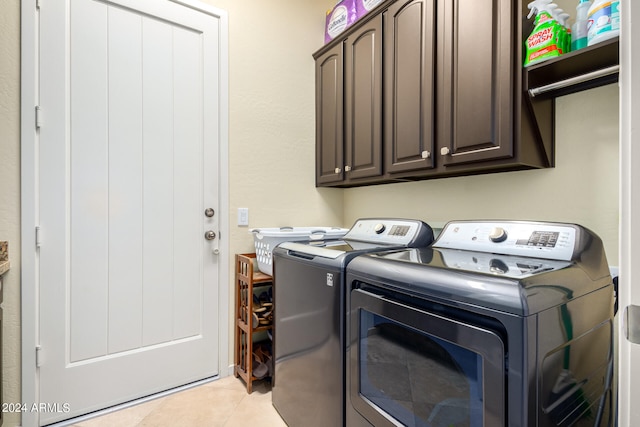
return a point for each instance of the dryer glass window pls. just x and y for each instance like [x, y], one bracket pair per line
[417, 378]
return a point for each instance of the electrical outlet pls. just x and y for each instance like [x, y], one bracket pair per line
[243, 216]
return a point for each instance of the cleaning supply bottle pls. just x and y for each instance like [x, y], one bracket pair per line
[562, 19]
[604, 21]
[542, 44]
[562, 34]
[579, 28]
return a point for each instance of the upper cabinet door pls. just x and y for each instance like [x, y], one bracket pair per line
[476, 73]
[363, 101]
[329, 119]
[409, 64]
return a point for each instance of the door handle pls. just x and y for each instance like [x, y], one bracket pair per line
[631, 321]
[210, 235]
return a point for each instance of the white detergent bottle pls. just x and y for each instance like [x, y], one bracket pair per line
[603, 21]
[579, 28]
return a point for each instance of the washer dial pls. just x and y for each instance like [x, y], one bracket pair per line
[498, 234]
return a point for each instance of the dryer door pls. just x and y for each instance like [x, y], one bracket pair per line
[410, 367]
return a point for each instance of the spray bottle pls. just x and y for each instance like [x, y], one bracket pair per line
[579, 28]
[562, 34]
[562, 19]
[542, 44]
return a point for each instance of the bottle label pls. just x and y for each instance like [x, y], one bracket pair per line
[338, 21]
[604, 19]
[370, 4]
[543, 41]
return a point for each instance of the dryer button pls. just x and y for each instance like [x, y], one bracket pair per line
[498, 235]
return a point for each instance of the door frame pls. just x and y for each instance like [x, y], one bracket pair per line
[29, 203]
[629, 229]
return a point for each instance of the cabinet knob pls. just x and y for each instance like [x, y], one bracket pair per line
[444, 151]
[338, 170]
[347, 168]
[426, 154]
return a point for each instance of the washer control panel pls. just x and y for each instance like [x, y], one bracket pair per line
[388, 231]
[531, 239]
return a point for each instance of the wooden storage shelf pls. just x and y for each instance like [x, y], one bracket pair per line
[247, 280]
[571, 72]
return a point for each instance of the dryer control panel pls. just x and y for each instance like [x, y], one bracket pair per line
[391, 231]
[530, 239]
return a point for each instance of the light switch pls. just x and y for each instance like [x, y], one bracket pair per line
[243, 216]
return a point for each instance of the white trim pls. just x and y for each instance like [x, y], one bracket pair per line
[628, 378]
[28, 180]
[224, 242]
[29, 209]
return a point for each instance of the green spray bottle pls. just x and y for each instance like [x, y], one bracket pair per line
[543, 42]
[562, 17]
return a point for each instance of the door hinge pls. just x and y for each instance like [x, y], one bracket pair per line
[37, 4]
[631, 321]
[38, 117]
[38, 355]
[38, 237]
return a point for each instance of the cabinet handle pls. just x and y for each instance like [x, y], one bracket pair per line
[338, 170]
[444, 151]
[426, 154]
[347, 168]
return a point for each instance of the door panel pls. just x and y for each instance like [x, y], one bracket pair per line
[363, 103]
[128, 284]
[329, 120]
[188, 207]
[475, 96]
[409, 31]
[125, 187]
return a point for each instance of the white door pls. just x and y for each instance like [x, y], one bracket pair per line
[128, 163]
[629, 293]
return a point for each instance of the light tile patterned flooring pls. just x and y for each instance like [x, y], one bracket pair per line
[220, 403]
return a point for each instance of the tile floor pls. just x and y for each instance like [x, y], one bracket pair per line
[220, 403]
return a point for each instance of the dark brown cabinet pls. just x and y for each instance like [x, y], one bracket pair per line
[476, 76]
[487, 123]
[329, 117]
[349, 103]
[447, 99]
[409, 85]
[363, 101]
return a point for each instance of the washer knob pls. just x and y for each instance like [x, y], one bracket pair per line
[498, 235]
[379, 228]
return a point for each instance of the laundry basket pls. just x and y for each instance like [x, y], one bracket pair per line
[266, 239]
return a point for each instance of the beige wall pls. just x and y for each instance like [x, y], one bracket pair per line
[271, 153]
[272, 120]
[271, 117]
[582, 188]
[10, 197]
